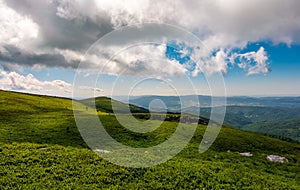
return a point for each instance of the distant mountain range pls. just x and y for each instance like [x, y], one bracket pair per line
[173, 102]
[278, 116]
[273, 115]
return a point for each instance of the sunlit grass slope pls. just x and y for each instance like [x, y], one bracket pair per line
[104, 104]
[41, 148]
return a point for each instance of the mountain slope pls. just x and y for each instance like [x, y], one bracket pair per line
[41, 148]
[173, 102]
[277, 116]
[105, 104]
[289, 128]
[278, 121]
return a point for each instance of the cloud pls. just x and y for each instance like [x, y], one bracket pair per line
[56, 33]
[28, 83]
[22, 42]
[143, 59]
[253, 62]
[95, 89]
[16, 29]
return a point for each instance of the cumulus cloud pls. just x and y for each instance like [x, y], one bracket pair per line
[22, 43]
[143, 59]
[237, 21]
[253, 62]
[56, 33]
[16, 29]
[28, 83]
[12, 56]
[95, 89]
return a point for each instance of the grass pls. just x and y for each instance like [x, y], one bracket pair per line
[104, 104]
[41, 148]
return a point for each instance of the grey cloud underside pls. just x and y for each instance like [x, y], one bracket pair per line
[12, 54]
[75, 25]
[55, 31]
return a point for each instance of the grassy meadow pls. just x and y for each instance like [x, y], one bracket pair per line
[41, 148]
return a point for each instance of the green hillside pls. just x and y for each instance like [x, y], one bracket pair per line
[289, 128]
[283, 122]
[104, 104]
[41, 148]
[275, 116]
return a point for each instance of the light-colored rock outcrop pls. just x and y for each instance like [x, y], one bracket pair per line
[275, 158]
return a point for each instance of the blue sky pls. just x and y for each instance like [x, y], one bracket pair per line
[257, 53]
[282, 80]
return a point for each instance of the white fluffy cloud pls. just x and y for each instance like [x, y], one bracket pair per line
[16, 29]
[28, 83]
[223, 22]
[246, 61]
[56, 33]
[143, 59]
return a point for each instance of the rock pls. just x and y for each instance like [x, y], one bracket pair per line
[43, 148]
[101, 151]
[248, 154]
[275, 158]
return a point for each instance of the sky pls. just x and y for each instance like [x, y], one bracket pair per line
[85, 48]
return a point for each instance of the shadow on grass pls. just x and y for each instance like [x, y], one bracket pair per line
[44, 128]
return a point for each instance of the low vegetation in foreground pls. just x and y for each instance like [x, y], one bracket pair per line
[41, 148]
